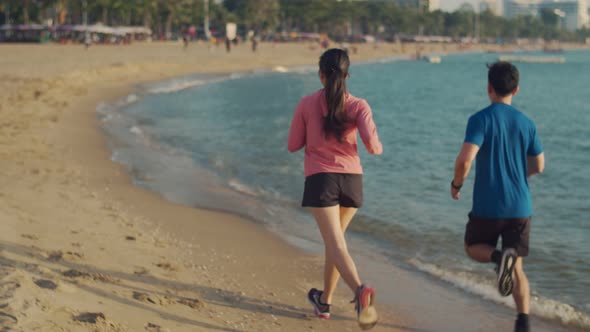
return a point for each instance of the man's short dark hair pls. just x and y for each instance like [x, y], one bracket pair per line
[503, 77]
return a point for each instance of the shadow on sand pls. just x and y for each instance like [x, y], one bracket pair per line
[210, 295]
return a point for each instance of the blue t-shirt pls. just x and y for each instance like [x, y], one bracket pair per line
[505, 137]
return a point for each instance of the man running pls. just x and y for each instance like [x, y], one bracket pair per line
[507, 149]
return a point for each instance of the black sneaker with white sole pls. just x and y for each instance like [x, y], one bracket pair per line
[505, 271]
[522, 323]
[322, 310]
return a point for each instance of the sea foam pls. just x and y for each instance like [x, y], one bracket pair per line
[484, 287]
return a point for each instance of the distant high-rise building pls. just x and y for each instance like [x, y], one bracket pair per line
[433, 5]
[583, 10]
[430, 5]
[515, 8]
[492, 5]
[572, 14]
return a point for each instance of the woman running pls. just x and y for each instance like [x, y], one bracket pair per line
[326, 124]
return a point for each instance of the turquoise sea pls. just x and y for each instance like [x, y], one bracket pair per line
[220, 142]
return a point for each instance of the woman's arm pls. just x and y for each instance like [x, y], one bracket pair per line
[368, 130]
[297, 131]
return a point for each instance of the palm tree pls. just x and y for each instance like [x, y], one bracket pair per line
[147, 7]
[61, 8]
[104, 5]
[26, 12]
[122, 11]
[172, 8]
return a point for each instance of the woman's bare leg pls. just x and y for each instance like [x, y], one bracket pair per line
[328, 220]
[331, 274]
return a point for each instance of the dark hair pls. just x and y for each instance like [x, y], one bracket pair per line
[503, 77]
[334, 65]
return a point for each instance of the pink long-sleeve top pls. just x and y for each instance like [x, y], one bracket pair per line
[326, 154]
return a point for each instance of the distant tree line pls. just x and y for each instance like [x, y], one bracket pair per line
[339, 19]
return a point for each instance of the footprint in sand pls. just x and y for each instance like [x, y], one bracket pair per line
[58, 255]
[89, 317]
[74, 255]
[99, 322]
[92, 275]
[192, 303]
[7, 320]
[167, 266]
[46, 284]
[29, 236]
[75, 274]
[143, 297]
[151, 327]
[7, 289]
[141, 271]
[54, 256]
[153, 299]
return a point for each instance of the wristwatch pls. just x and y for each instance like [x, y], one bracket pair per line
[454, 186]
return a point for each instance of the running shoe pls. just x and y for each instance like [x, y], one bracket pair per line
[320, 309]
[522, 324]
[366, 312]
[505, 272]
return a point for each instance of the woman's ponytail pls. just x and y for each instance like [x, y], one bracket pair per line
[334, 65]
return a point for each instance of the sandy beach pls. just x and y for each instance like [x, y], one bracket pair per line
[83, 249]
[73, 223]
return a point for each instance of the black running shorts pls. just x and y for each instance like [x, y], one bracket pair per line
[514, 233]
[330, 189]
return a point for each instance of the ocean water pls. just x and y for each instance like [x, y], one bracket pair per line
[220, 142]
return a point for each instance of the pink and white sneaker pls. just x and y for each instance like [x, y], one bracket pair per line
[366, 313]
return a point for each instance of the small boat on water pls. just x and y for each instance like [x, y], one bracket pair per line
[533, 59]
[280, 69]
[433, 58]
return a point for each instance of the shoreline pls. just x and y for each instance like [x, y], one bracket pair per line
[426, 271]
[66, 148]
[483, 300]
[97, 201]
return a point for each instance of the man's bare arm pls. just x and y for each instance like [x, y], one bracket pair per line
[462, 166]
[535, 164]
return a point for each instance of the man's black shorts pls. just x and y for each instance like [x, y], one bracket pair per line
[514, 233]
[329, 189]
